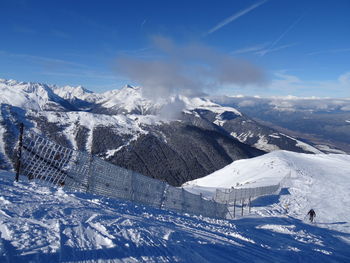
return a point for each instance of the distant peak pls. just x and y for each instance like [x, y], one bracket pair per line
[9, 81]
[127, 86]
[81, 88]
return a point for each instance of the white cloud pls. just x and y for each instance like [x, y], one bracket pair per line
[247, 103]
[345, 78]
[291, 84]
[283, 84]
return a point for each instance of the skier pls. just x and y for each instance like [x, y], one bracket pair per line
[311, 215]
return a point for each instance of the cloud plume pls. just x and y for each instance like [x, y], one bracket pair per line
[189, 70]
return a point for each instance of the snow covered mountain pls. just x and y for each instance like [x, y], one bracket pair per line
[43, 224]
[322, 121]
[31, 96]
[250, 132]
[72, 93]
[175, 139]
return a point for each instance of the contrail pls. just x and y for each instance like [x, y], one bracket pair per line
[282, 35]
[263, 52]
[234, 17]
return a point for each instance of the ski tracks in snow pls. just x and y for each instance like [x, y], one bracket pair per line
[44, 224]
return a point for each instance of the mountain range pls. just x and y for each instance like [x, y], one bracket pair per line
[174, 139]
[325, 122]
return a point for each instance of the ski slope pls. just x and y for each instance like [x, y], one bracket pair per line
[318, 181]
[45, 224]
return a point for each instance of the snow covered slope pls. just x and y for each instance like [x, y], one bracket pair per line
[319, 181]
[43, 224]
[71, 93]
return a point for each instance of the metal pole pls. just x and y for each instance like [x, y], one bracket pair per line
[250, 204]
[19, 151]
[88, 186]
[228, 210]
[234, 209]
[183, 207]
[165, 190]
[133, 186]
[242, 206]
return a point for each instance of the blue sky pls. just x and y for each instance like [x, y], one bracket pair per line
[302, 47]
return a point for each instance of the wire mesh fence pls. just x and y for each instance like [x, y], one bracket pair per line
[47, 161]
[231, 195]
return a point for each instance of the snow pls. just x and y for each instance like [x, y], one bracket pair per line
[307, 147]
[264, 145]
[2, 146]
[129, 98]
[220, 109]
[111, 153]
[304, 146]
[328, 149]
[45, 224]
[275, 135]
[205, 104]
[79, 92]
[268, 169]
[34, 96]
[318, 181]
[122, 124]
[134, 111]
[243, 136]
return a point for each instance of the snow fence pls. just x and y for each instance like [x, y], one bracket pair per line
[233, 195]
[47, 161]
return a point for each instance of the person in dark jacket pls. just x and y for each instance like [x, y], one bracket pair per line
[311, 215]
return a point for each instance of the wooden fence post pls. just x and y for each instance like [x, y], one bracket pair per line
[19, 151]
